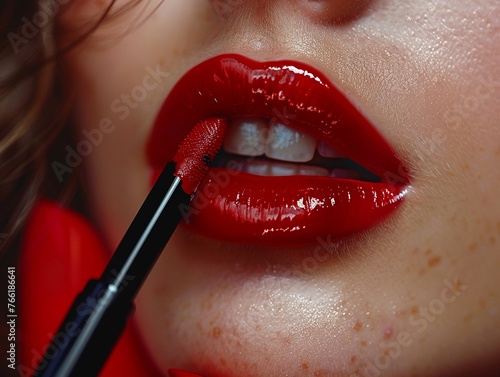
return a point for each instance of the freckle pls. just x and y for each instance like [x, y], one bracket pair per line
[415, 251]
[358, 326]
[482, 303]
[457, 284]
[258, 327]
[388, 333]
[468, 317]
[434, 261]
[353, 359]
[422, 272]
[414, 310]
[386, 351]
[363, 343]
[206, 304]
[473, 247]
[304, 366]
[216, 332]
[428, 251]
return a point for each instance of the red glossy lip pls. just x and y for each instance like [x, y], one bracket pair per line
[235, 206]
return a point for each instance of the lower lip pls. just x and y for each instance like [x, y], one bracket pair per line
[233, 206]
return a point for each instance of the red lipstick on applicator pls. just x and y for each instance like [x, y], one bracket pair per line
[98, 315]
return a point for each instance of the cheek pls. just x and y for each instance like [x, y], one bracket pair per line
[123, 90]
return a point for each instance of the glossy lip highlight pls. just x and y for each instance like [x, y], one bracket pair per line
[279, 210]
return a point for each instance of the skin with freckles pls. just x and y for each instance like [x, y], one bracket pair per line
[415, 296]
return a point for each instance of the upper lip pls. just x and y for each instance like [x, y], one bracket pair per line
[300, 97]
[311, 105]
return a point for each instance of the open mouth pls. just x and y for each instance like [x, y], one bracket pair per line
[269, 148]
[299, 161]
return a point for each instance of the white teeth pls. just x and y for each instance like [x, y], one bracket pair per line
[326, 150]
[272, 168]
[257, 168]
[247, 137]
[281, 169]
[313, 170]
[254, 136]
[287, 144]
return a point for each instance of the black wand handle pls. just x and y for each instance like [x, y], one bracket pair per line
[113, 314]
[99, 314]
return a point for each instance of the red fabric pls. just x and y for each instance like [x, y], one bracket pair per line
[60, 253]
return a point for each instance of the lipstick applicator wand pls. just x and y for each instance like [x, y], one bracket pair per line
[99, 313]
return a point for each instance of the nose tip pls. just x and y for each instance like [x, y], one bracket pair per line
[275, 27]
[332, 11]
[322, 11]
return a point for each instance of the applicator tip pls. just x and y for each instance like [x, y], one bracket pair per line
[197, 150]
